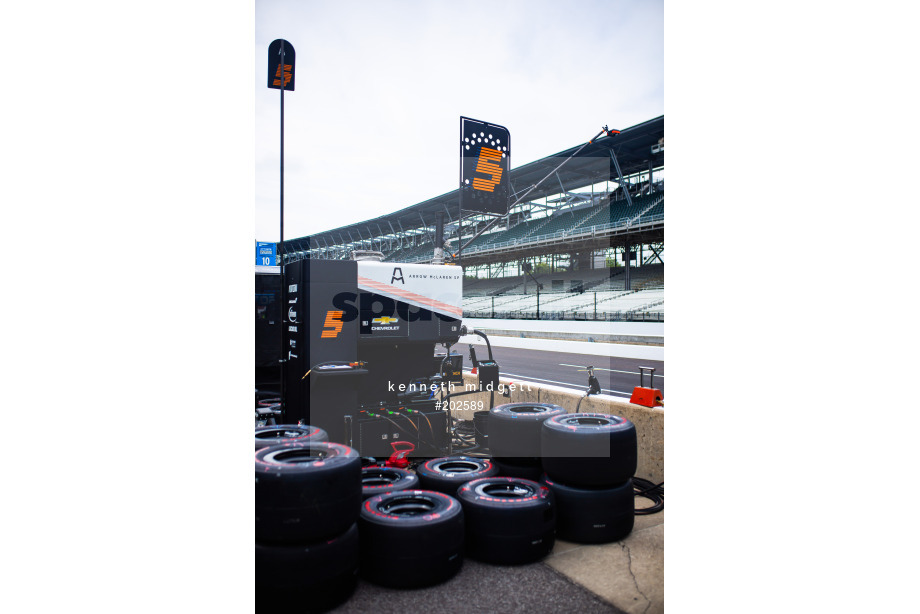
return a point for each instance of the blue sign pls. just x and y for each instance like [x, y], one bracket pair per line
[265, 254]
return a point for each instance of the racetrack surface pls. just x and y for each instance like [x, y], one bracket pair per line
[617, 376]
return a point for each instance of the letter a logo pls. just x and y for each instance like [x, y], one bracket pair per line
[400, 277]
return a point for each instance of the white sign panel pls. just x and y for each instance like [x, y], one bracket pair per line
[434, 287]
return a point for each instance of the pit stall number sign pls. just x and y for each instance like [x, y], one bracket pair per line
[265, 254]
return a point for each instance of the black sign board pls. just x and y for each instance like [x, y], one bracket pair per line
[268, 319]
[485, 154]
[275, 73]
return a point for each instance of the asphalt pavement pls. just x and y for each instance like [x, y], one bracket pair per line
[483, 588]
[617, 376]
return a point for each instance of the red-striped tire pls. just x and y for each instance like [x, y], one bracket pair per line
[449, 473]
[509, 521]
[411, 538]
[589, 450]
[514, 429]
[288, 433]
[306, 492]
[378, 480]
[593, 515]
[306, 577]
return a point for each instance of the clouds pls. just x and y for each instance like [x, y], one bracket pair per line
[373, 125]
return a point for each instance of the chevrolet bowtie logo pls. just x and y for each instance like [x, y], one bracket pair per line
[384, 320]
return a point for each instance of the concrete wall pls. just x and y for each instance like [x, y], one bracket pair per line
[649, 422]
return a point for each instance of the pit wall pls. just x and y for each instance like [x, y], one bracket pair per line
[649, 422]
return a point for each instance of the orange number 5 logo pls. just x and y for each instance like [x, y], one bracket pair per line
[332, 325]
[487, 165]
[287, 75]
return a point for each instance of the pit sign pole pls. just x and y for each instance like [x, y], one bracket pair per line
[281, 76]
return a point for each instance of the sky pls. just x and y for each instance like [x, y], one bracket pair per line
[373, 124]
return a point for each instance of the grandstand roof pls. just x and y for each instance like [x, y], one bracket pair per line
[632, 147]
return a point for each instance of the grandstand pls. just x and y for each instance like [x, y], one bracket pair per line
[581, 295]
[591, 235]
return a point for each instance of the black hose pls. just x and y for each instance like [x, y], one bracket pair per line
[649, 490]
[463, 432]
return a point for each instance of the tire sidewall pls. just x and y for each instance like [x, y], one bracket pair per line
[431, 476]
[593, 515]
[307, 433]
[508, 530]
[515, 433]
[406, 481]
[589, 455]
[310, 501]
[411, 551]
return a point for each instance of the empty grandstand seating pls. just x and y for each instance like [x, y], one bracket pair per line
[565, 220]
[590, 305]
[486, 287]
[607, 299]
[568, 222]
[424, 251]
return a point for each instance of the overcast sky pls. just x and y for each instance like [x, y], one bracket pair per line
[373, 125]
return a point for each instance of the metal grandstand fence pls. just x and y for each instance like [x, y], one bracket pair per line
[583, 316]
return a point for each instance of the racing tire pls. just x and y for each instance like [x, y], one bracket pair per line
[306, 492]
[589, 450]
[509, 521]
[288, 433]
[593, 515]
[449, 473]
[532, 471]
[411, 538]
[514, 429]
[307, 577]
[378, 480]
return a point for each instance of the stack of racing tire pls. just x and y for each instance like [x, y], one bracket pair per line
[412, 529]
[515, 437]
[506, 520]
[308, 497]
[589, 461]
[411, 536]
[322, 518]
